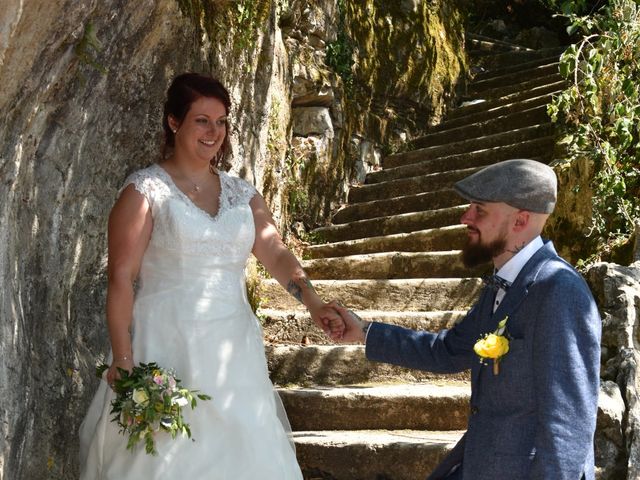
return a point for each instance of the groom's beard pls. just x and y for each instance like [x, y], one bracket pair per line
[477, 253]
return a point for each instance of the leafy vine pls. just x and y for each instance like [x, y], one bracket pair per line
[599, 112]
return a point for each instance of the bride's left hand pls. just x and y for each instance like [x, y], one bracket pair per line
[113, 374]
[329, 320]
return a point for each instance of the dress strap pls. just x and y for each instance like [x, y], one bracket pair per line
[235, 191]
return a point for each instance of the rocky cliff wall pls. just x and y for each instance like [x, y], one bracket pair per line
[82, 84]
[617, 291]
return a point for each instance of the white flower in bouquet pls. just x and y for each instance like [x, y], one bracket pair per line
[149, 400]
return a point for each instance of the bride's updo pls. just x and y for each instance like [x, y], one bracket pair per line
[183, 91]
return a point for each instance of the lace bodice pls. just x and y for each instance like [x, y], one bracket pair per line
[182, 227]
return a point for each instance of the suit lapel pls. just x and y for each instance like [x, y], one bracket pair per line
[518, 291]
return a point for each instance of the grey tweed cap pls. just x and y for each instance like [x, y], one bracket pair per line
[521, 183]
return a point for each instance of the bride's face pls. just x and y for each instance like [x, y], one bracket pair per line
[200, 135]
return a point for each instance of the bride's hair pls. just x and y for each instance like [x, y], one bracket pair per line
[183, 91]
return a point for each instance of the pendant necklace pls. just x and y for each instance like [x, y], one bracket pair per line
[195, 188]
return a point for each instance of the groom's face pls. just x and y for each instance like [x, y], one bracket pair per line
[487, 232]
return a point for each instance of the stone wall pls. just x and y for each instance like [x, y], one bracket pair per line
[82, 89]
[617, 290]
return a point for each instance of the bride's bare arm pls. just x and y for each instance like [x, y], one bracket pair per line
[130, 225]
[282, 265]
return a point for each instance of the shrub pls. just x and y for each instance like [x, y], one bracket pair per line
[599, 112]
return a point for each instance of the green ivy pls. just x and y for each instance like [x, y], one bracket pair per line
[599, 112]
[340, 51]
[239, 19]
[570, 7]
[297, 195]
[249, 14]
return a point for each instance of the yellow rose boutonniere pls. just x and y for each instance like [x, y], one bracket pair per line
[493, 345]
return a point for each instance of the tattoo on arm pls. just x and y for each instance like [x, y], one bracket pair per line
[295, 289]
[364, 326]
[307, 282]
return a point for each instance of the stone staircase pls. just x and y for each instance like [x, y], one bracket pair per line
[392, 255]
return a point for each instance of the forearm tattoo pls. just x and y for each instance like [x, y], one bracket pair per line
[364, 326]
[296, 290]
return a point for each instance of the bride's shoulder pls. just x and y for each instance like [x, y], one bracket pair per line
[239, 189]
[148, 181]
[152, 172]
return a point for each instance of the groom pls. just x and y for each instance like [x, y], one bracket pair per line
[534, 416]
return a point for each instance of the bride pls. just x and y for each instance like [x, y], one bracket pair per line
[182, 230]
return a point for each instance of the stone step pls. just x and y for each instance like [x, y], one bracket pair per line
[389, 265]
[407, 185]
[391, 407]
[501, 123]
[372, 454]
[498, 72]
[501, 91]
[476, 53]
[411, 294]
[516, 77]
[402, 223]
[420, 152]
[393, 206]
[332, 365]
[495, 112]
[476, 41]
[295, 327]
[483, 105]
[503, 60]
[538, 148]
[435, 239]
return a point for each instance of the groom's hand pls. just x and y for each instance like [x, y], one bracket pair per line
[354, 327]
[329, 320]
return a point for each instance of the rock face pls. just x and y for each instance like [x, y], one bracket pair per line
[617, 290]
[570, 223]
[82, 89]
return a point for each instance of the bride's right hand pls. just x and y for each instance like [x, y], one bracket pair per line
[113, 374]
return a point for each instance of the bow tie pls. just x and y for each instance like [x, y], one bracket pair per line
[495, 282]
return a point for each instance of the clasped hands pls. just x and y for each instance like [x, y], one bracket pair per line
[339, 323]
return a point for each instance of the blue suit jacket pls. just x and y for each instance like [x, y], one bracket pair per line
[536, 419]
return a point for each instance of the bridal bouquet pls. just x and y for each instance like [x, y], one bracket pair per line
[149, 400]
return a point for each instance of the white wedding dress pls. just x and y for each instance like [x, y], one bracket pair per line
[191, 314]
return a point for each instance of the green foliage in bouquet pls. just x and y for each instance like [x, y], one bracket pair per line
[599, 112]
[149, 400]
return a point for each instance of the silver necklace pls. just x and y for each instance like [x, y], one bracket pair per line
[195, 187]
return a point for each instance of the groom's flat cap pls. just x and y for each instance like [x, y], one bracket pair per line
[522, 184]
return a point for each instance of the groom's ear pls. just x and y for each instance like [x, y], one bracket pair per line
[521, 220]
